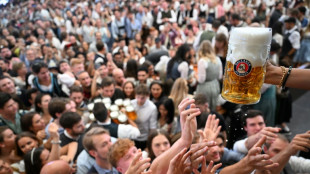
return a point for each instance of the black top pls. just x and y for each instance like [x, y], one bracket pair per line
[66, 140]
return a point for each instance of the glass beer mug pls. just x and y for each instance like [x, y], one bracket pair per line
[131, 113]
[245, 69]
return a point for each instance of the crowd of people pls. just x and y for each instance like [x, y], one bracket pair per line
[134, 87]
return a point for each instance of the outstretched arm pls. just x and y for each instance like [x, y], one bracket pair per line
[253, 160]
[298, 77]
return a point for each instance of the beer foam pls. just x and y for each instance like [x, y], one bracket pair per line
[249, 43]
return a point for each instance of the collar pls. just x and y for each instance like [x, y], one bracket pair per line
[105, 171]
[104, 123]
[291, 30]
[69, 136]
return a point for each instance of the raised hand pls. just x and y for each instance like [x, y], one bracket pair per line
[53, 130]
[301, 142]
[179, 165]
[211, 169]
[198, 151]
[211, 129]
[138, 165]
[256, 160]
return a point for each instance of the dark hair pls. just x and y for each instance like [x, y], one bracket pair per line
[38, 101]
[216, 23]
[57, 105]
[100, 112]
[19, 152]
[179, 56]
[26, 121]
[143, 68]
[99, 46]
[6, 77]
[147, 64]
[5, 97]
[107, 81]
[302, 10]
[33, 162]
[29, 92]
[156, 82]
[132, 95]
[150, 138]
[142, 90]
[69, 119]
[277, 28]
[76, 88]
[131, 69]
[169, 106]
[235, 16]
[201, 99]
[2, 129]
[36, 67]
[251, 113]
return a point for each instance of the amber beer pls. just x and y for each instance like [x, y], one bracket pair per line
[245, 66]
[131, 113]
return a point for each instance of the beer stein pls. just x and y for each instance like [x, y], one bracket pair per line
[245, 69]
[131, 113]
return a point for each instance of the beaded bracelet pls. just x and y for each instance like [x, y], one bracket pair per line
[286, 77]
[283, 75]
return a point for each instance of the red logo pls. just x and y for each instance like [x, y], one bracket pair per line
[242, 67]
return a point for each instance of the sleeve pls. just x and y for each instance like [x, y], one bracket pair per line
[196, 41]
[158, 20]
[183, 69]
[202, 74]
[128, 27]
[153, 119]
[299, 164]
[173, 16]
[114, 30]
[195, 14]
[295, 39]
[221, 68]
[127, 131]
[66, 79]
[240, 147]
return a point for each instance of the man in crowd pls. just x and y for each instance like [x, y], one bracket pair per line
[119, 78]
[74, 128]
[147, 114]
[9, 113]
[97, 142]
[255, 127]
[86, 83]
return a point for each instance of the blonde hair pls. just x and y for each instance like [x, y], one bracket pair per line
[206, 51]
[88, 137]
[75, 61]
[178, 92]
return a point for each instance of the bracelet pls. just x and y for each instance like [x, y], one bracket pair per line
[56, 142]
[286, 77]
[283, 75]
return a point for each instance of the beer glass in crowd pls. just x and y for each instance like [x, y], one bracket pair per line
[114, 116]
[131, 113]
[245, 69]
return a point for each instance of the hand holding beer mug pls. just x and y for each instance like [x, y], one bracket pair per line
[246, 64]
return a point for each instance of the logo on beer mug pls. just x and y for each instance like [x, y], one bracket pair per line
[242, 67]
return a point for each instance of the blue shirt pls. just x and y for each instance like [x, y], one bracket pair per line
[100, 170]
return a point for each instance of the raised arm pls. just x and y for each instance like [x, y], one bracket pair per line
[253, 160]
[189, 126]
[301, 142]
